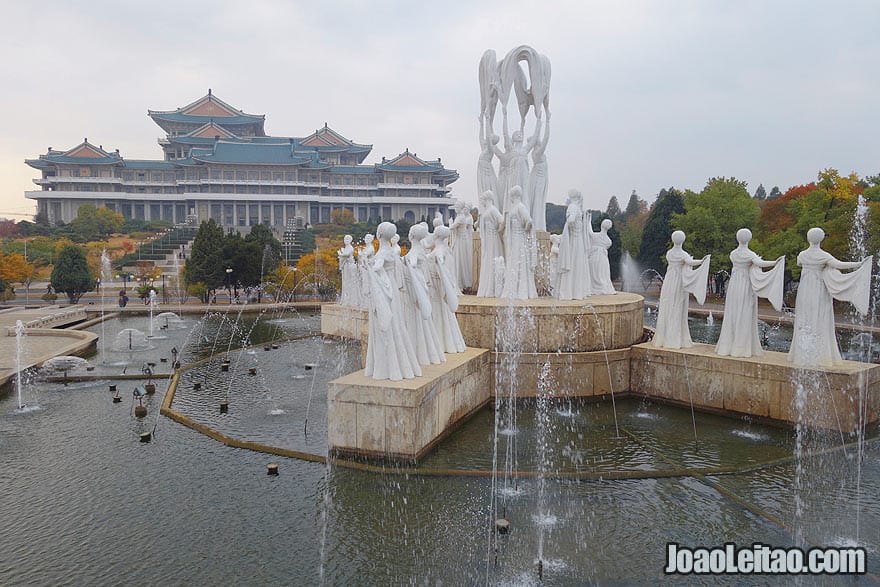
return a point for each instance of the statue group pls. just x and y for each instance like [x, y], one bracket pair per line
[513, 198]
[813, 344]
[411, 300]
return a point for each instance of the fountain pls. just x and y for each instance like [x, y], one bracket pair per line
[19, 351]
[131, 339]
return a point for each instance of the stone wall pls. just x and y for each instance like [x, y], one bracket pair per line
[404, 419]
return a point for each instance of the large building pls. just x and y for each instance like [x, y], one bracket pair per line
[218, 163]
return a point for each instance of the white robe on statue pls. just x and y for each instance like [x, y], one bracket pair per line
[463, 249]
[600, 266]
[390, 353]
[423, 335]
[681, 279]
[491, 246]
[444, 302]
[521, 248]
[575, 282]
[814, 342]
[739, 331]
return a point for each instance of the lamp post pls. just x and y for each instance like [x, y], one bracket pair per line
[27, 284]
[228, 281]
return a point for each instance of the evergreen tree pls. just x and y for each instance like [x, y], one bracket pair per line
[655, 237]
[613, 210]
[205, 263]
[774, 193]
[269, 246]
[634, 206]
[760, 193]
[71, 274]
[555, 217]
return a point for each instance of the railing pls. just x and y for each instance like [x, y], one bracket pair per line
[411, 186]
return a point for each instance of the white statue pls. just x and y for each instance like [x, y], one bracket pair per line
[444, 294]
[681, 279]
[499, 272]
[739, 330]
[575, 282]
[365, 260]
[813, 343]
[600, 267]
[438, 219]
[515, 165]
[520, 249]
[463, 245]
[399, 270]
[423, 335]
[390, 354]
[538, 179]
[486, 178]
[351, 280]
[497, 80]
[555, 241]
[491, 225]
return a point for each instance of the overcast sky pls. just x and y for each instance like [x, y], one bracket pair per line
[644, 94]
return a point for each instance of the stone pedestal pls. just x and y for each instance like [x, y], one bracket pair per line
[402, 420]
[762, 386]
[548, 325]
[344, 322]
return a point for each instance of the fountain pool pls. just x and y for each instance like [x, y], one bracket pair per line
[97, 506]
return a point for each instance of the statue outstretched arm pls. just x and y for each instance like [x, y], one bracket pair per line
[832, 262]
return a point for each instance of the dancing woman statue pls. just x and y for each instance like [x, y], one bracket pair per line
[351, 281]
[491, 225]
[365, 260]
[574, 245]
[538, 178]
[739, 330]
[681, 279]
[390, 353]
[814, 343]
[514, 161]
[486, 178]
[423, 335]
[600, 266]
[444, 294]
[462, 229]
[521, 251]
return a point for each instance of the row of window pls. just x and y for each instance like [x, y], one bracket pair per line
[216, 174]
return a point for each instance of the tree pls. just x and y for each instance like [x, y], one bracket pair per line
[92, 223]
[71, 274]
[342, 216]
[712, 217]
[319, 271]
[760, 192]
[205, 263]
[774, 193]
[269, 246]
[655, 237]
[14, 269]
[634, 206]
[613, 210]
[554, 217]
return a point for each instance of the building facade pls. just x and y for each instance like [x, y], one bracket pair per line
[219, 163]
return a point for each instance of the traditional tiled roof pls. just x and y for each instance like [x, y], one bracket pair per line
[84, 153]
[206, 110]
[407, 161]
[370, 169]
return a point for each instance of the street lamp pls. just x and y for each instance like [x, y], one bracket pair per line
[164, 297]
[228, 281]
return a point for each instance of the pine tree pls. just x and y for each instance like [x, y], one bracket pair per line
[613, 210]
[71, 274]
[760, 193]
[634, 206]
[205, 263]
[774, 193]
[658, 229]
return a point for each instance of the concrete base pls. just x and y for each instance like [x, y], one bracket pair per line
[402, 420]
[561, 375]
[548, 325]
[762, 386]
[344, 322]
